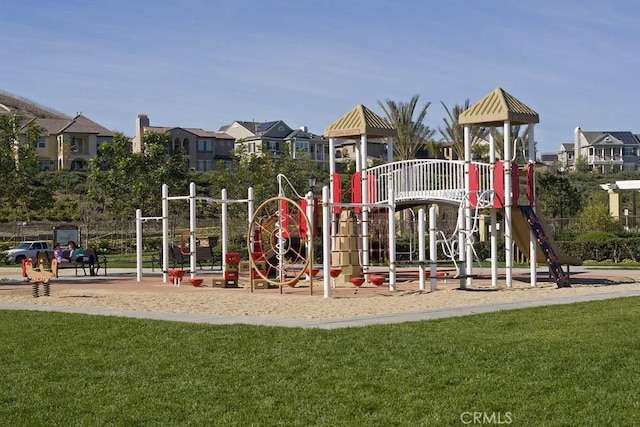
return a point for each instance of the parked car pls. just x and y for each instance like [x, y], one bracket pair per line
[26, 250]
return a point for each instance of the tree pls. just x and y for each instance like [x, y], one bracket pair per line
[412, 134]
[19, 165]
[454, 132]
[596, 217]
[121, 181]
[556, 197]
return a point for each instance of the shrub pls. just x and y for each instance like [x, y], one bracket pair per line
[595, 236]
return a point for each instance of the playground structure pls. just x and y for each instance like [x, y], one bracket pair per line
[192, 198]
[280, 232]
[472, 186]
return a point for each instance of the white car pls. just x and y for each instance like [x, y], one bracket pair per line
[25, 250]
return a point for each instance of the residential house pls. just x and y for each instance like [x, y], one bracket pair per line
[275, 137]
[202, 148]
[66, 143]
[69, 144]
[605, 151]
[566, 157]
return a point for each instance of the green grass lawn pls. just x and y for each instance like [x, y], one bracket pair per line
[565, 365]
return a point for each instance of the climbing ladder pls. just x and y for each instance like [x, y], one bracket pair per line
[561, 278]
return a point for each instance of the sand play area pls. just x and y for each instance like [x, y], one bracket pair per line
[120, 290]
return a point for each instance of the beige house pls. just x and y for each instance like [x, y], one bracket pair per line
[69, 144]
[275, 137]
[203, 149]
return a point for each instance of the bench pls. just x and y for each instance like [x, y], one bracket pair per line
[204, 254]
[98, 264]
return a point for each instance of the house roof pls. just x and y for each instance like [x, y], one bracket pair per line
[496, 108]
[616, 138]
[357, 122]
[79, 124]
[194, 131]
[567, 146]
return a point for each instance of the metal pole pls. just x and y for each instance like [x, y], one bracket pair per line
[421, 248]
[392, 240]
[365, 210]
[494, 214]
[165, 232]
[138, 244]
[508, 230]
[310, 226]
[326, 242]
[192, 229]
[433, 248]
[533, 262]
[224, 233]
[250, 210]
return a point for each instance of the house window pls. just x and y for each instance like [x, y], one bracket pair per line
[273, 146]
[203, 146]
[302, 147]
[251, 147]
[203, 165]
[46, 164]
[42, 142]
[77, 144]
[628, 151]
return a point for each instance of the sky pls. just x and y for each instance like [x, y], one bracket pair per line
[207, 63]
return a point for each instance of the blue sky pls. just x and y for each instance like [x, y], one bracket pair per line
[199, 63]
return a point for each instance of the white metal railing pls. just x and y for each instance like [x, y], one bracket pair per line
[423, 180]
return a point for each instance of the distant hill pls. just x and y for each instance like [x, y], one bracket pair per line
[11, 104]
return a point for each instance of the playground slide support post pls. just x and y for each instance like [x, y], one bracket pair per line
[532, 235]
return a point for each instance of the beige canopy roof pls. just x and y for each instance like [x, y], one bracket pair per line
[357, 122]
[497, 108]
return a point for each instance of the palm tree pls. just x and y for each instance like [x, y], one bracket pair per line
[454, 131]
[413, 134]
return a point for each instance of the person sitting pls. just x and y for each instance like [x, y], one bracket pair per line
[76, 254]
[58, 253]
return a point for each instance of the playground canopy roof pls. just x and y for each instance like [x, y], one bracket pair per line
[357, 122]
[496, 108]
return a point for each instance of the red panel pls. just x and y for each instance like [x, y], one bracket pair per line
[356, 189]
[301, 221]
[337, 192]
[498, 185]
[371, 183]
[474, 184]
[531, 179]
